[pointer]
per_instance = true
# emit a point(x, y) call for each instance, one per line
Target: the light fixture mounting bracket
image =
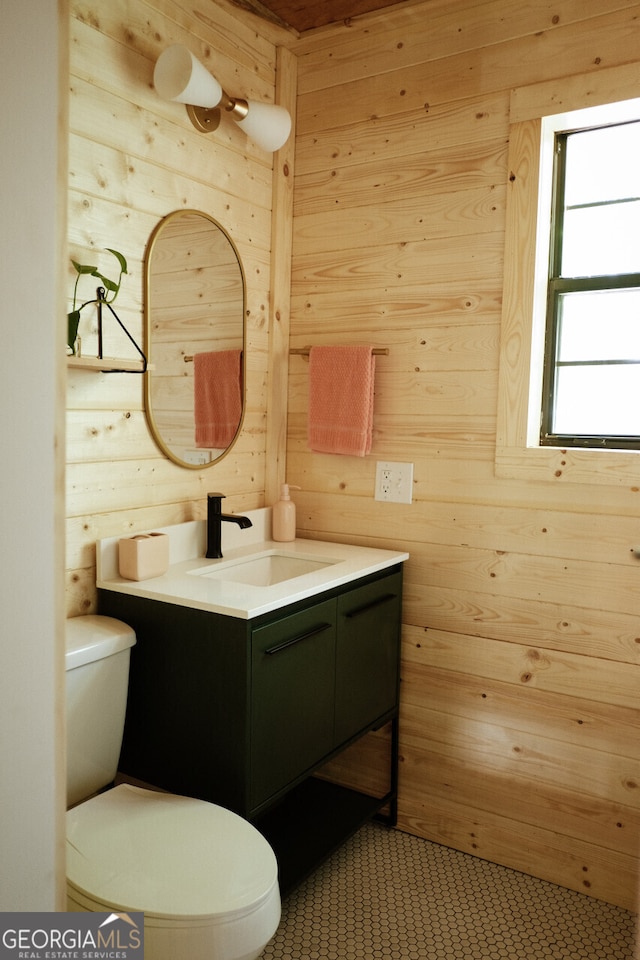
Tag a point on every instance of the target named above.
point(204, 119)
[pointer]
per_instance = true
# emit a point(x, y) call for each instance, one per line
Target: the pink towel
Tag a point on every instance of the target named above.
point(341, 400)
point(217, 394)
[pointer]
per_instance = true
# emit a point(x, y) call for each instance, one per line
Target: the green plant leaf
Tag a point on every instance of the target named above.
point(111, 287)
point(73, 319)
point(84, 268)
point(119, 257)
point(109, 284)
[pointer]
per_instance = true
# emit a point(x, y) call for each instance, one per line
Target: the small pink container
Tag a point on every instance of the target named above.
point(143, 556)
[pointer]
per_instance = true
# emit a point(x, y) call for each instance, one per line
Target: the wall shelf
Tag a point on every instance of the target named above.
point(107, 364)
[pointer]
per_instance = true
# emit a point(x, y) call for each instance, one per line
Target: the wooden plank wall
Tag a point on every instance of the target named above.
point(133, 159)
point(521, 644)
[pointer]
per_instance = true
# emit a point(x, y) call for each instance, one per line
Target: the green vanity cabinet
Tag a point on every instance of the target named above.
point(367, 654)
point(292, 696)
point(243, 712)
point(187, 721)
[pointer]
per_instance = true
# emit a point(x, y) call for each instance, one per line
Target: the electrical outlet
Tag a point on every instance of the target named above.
point(394, 481)
point(196, 457)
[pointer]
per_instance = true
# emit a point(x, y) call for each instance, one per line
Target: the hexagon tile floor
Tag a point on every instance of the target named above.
point(386, 895)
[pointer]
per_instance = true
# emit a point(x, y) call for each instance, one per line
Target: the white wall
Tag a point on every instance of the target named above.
point(31, 508)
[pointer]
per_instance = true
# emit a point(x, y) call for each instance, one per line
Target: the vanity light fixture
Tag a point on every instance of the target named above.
point(180, 76)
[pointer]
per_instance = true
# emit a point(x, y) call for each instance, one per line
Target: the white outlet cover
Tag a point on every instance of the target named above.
point(394, 481)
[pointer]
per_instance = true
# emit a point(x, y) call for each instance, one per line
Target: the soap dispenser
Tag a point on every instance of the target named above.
point(283, 519)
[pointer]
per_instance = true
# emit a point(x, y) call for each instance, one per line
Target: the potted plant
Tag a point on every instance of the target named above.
point(111, 289)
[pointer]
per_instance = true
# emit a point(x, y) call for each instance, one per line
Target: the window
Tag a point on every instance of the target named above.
point(540, 115)
point(592, 346)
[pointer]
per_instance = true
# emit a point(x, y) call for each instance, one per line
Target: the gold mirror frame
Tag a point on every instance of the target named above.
point(181, 348)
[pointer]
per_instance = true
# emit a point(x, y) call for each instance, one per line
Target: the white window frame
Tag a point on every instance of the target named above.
point(536, 112)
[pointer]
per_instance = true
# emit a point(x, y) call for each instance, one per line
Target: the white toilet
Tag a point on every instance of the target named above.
point(204, 877)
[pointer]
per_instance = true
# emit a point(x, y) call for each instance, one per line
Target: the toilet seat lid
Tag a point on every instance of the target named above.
point(167, 855)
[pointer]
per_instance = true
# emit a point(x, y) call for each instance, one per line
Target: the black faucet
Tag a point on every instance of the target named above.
point(215, 516)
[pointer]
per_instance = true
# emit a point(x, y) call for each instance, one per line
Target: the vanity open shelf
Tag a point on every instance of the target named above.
point(245, 712)
point(316, 817)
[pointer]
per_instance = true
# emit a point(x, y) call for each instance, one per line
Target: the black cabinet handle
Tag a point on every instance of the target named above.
point(370, 606)
point(303, 636)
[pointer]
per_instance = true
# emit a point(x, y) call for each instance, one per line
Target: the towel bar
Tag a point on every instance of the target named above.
point(304, 351)
point(188, 358)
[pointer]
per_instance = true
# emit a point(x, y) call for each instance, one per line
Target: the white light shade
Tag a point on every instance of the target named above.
point(179, 76)
point(267, 124)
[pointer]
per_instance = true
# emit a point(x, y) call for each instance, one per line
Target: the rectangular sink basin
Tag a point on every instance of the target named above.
point(264, 570)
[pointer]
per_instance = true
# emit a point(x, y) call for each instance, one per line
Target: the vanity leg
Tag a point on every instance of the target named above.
point(390, 818)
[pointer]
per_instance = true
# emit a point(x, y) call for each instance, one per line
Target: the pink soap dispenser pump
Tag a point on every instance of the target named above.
point(283, 518)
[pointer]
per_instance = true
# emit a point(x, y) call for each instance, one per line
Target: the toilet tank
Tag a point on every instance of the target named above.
point(97, 673)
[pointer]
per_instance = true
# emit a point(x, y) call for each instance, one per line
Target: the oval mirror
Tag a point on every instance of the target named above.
point(194, 305)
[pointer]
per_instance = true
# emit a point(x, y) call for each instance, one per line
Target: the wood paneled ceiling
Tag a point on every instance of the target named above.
point(306, 14)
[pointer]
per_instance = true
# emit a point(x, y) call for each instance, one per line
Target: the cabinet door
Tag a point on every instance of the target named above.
point(292, 694)
point(367, 654)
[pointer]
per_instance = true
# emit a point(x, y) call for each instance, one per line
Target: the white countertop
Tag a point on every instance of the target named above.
point(187, 548)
